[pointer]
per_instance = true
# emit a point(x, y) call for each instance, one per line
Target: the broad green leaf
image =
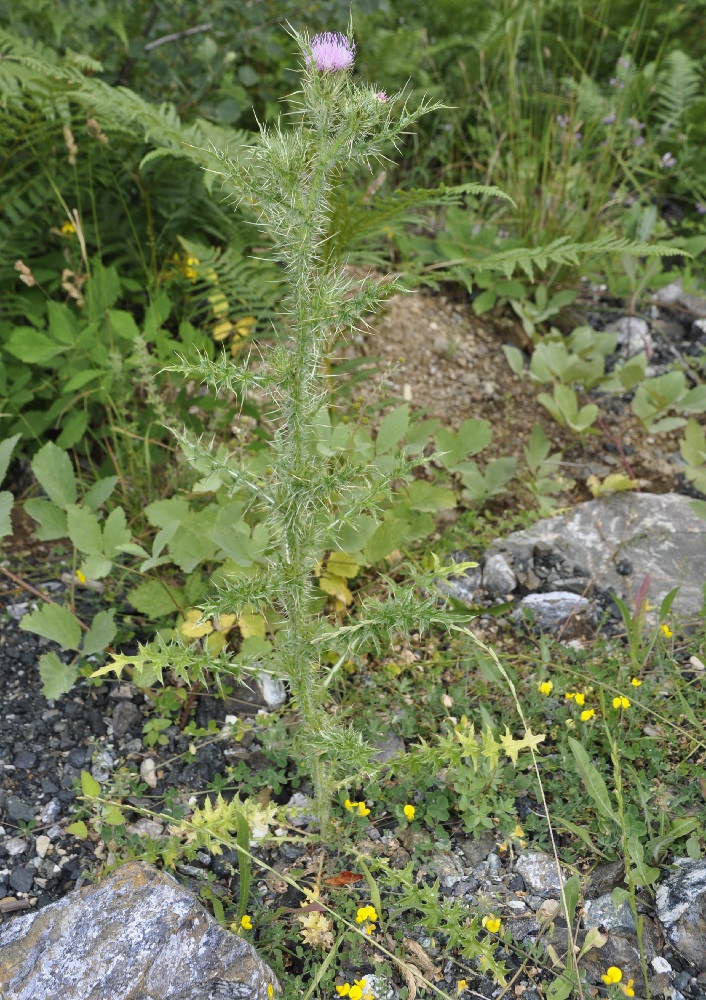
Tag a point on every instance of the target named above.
point(678, 829)
point(84, 530)
point(50, 518)
point(73, 428)
point(99, 492)
point(96, 567)
point(89, 785)
point(341, 564)
point(386, 538)
point(122, 324)
point(57, 677)
point(115, 532)
point(572, 891)
point(155, 599)
point(593, 781)
point(515, 358)
point(114, 817)
point(6, 500)
point(428, 498)
point(6, 448)
point(101, 633)
point(83, 378)
point(78, 829)
point(53, 469)
point(33, 347)
point(392, 429)
point(54, 622)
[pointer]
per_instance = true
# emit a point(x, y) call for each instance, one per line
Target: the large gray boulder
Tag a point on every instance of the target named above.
point(138, 935)
point(614, 543)
point(681, 907)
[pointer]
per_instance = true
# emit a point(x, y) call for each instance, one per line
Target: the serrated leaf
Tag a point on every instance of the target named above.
point(99, 492)
point(115, 532)
point(392, 428)
point(252, 625)
point(57, 677)
point(155, 599)
point(89, 785)
point(53, 469)
point(84, 530)
point(50, 518)
point(101, 633)
point(593, 781)
point(96, 567)
point(429, 498)
point(73, 429)
point(512, 747)
point(341, 564)
point(385, 539)
point(6, 449)
point(54, 622)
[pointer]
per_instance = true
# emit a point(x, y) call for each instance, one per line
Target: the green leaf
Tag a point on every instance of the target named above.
point(473, 436)
point(115, 532)
point(96, 567)
point(6, 448)
point(155, 599)
point(392, 429)
point(386, 538)
point(89, 785)
point(34, 348)
point(101, 633)
point(122, 324)
point(53, 469)
point(572, 891)
point(6, 501)
point(84, 530)
point(78, 829)
point(426, 497)
point(99, 492)
point(593, 781)
point(57, 677)
point(515, 358)
point(50, 518)
point(54, 622)
point(114, 817)
point(73, 429)
point(678, 829)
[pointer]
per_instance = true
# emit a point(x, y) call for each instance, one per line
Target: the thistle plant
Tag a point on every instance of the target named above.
point(318, 489)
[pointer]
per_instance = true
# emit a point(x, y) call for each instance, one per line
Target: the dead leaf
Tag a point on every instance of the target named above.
point(344, 878)
point(426, 963)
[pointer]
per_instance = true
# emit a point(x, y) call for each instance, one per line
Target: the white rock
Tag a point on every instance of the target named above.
point(148, 772)
point(15, 846)
point(42, 845)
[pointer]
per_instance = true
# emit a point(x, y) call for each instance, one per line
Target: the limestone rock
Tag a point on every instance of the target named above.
point(539, 873)
point(608, 915)
point(681, 907)
point(642, 534)
point(553, 610)
point(498, 577)
point(138, 935)
point(633, 336)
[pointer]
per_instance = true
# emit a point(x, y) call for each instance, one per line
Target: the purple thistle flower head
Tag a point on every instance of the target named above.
point(382, 96)
point(700, 208)
point(331, 51)
point(668, 161)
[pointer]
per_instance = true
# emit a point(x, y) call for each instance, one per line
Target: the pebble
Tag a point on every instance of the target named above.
point(539, 872)
point(50, 811)
point(15, 846)
point(18, 809)
point(21, 879)
point(498, 576)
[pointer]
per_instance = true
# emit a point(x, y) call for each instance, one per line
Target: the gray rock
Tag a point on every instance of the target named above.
point(498, 576)
point(17, 808)
point(659, 536)
point(603, 912)
point(495, 865)
point(447, 868)
point(126, 716)
point(623, 950)
point(15, 846)
point(134, 936)
point(633, 336)
point(50, 811)
point(553, 610)
point(681, 907)
point(674, 294)
point(388, 747)
point(477, 849)
point(21, 880)
point(540, 874)
point(604, 878)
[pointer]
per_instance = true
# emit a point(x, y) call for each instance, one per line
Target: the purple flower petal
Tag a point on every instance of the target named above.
point(331, 52)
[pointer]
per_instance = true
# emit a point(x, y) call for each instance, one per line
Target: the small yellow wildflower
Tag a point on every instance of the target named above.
point(81, 577)
point(409, 812)
point(343, 990)
point(587, 714)
point(570, 695)
point(246, 922)
point(627, 988)
point(355, 992)
point(492, 924)
point(546, 687)
point(461, 985)
point(363, 809)
point(366, 913)
point(68, 229)
point(636, 682)
point(350, 805)
point(580, 699)
point(222, 330)
point(270, 991)
point(612, 975)
point(666, 631)
point(621, 702)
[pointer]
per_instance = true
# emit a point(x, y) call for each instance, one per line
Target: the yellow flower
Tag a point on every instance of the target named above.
point(270, 991)
point(492, 924)
point(666, 631)
point(627, 988)
point(621, 702)
point(68, 229)
point(636, 682)
point(580, 699)
point(570, 695)
point(350, 805)
point(587, 714)
point(546, 687)
point(461, 985)
point(222, 330)
point(409, 812)
point(344, 990)
point(363, 809)
point(612, 975)
point(246, 922)
point(80, 576)
point(366, 913)
point(355, 992)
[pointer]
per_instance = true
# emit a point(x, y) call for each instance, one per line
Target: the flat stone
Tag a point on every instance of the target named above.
point(604, 878)
point(553, 610)
point(659, 536)
point(15, 846)
point(126, 716)
point(478, 848)
point(633, 335)
point(681, 908)
point(539, 873)
point(50, 811)
point(608, 915)
point(674, 294)
point(21, 880)
point(17, 808)
point(138, 935)
point(447, 868)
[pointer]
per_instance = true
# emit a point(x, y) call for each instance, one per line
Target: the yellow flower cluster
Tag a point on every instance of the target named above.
point(356, 991)
point(368, 916)
point(360, 806)
point(492, 924)
point(409, 812)
point(546, 687)
point(613, 976)
point(621, 702)
point(576, 696)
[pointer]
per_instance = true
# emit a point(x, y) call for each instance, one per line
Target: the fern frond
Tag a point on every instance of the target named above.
point(679, 86)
